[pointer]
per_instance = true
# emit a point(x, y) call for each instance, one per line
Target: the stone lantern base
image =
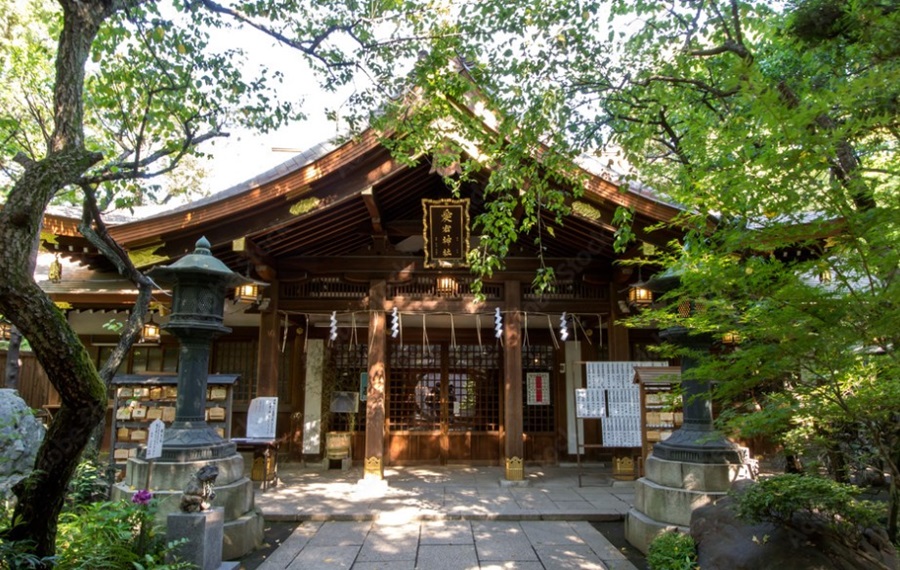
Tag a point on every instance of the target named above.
point(243, 528)
point(670, 490)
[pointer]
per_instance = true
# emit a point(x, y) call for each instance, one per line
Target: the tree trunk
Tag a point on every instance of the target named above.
point(892, 511)
point(56, 346)
point(12, 359)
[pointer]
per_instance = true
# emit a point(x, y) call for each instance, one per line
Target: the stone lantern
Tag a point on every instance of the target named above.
point(697, 440)
point(200, 282)
point(697, 464)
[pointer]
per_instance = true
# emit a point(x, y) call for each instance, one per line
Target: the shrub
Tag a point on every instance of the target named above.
point(15, 555)
point(113, 535)
point(672, 551)
point(89, 484)
point(779, 498)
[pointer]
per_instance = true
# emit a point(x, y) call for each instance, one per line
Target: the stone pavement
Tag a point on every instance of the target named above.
point(447, 517)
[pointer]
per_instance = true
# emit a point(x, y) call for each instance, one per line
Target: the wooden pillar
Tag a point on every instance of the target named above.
point(374, 456)
point(618, 333)
point(512, 383)
point(268, 355)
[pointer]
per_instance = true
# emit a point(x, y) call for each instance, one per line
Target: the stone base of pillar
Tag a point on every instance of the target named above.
point(243, 523)
point(669, 492)
point(203, 532)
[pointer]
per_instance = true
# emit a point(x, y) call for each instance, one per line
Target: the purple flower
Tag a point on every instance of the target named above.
point(142, 497)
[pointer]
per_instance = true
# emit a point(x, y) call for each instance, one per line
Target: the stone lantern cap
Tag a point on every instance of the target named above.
point(200, 262)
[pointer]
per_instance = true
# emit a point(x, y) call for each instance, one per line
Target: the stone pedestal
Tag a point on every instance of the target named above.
point(242, 522)
point(670, 490)
point(204, 532)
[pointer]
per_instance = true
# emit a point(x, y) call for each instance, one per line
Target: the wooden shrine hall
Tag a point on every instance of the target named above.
point(367, 324)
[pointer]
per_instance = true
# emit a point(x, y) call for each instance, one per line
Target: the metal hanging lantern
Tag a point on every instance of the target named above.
point(247, 293)
point(640, 295)
point(150, 331)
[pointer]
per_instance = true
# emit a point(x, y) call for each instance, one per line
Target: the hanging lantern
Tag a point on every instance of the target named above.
point(55, 272)
point(5, 329)
point(247, 293)
point(639, 295)
point(446, 286)
point(150, 331)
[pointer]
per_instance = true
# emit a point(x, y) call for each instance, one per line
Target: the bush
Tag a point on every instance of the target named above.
point(672, 551)
point(778, 499)
point(16, 556)
point(89, 484)
point(113, 535)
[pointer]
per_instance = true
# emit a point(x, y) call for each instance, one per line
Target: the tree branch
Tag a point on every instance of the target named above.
point(702, 85)
point(309, 48)
point(94, 230)
point(130, 170)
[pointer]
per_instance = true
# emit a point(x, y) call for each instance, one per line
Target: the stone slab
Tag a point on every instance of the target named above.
point(670, 505)
point(695, 476)
point(204, 532)
point(174, 476)
point(446, 557)
point(243, 535)
point(640, 530)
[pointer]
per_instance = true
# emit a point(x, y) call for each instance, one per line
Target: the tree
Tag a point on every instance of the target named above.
point(774, 127)
point(128, 90)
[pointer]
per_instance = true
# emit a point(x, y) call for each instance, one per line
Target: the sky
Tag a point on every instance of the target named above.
point(244, 155)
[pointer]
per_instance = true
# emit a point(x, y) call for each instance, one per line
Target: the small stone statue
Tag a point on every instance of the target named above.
point(198, 494)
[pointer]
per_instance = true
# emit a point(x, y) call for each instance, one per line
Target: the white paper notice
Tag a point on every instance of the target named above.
point(155, 439)
point(261, 418)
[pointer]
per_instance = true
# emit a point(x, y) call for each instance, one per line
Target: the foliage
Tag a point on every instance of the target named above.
point(101, 98)
point(773, 125)
point(779, 498)
point(672, 550)
point(113, 535)
point(89, 484)
point(17, 555)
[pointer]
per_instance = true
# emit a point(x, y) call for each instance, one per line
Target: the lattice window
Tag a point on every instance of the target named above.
point(422, 287)
point(420, 398)
point(349, 362)
point(146, 359)
point(565, 290)
point(415, 376)
point(237, 357)
point(318, 287)
point(538, 403)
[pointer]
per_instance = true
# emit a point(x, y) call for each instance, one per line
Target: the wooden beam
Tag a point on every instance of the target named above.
point(263, 263)
point(368, 196)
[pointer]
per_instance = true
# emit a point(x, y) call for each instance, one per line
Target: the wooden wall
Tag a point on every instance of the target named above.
point(34, 387)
